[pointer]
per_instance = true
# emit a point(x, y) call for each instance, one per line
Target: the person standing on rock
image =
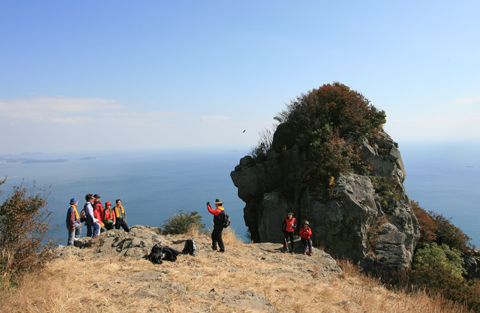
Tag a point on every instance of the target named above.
point(305, 234)
point(217, 224)
point(93, 228)
point(121, 216)
point(109, 218)
point(288, 227)
point(74, 225)
point(98, 213)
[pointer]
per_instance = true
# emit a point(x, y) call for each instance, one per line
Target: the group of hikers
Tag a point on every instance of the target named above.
point(288, 227)
point(96, 218)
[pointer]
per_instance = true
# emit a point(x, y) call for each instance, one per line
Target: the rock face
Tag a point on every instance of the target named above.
point(358, 223)
point(472, 265)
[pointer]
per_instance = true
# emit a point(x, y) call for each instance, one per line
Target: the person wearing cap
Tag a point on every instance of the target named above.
point(97, 206)
point(109, 216)
point(217, 224)
point(305, 234)
point(93, 228)
point(288, 227)
point(74, 225)
point(121, 216)
point(98, 212)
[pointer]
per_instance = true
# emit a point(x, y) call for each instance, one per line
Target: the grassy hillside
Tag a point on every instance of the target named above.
point(247, 278)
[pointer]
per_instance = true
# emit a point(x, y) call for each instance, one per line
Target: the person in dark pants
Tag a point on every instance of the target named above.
point(305, 234)
point(217, 224)
point(109, 218)
point(121, 216)
point(288, 227)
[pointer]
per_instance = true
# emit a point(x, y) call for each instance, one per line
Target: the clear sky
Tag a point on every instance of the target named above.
point(105, 75)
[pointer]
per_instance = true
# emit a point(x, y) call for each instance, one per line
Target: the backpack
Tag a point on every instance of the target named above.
point(83, 214)
point(160, 253)
point(190, 247)
point(225, 220)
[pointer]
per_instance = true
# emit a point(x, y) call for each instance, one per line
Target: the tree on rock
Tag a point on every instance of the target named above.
point(327, 125)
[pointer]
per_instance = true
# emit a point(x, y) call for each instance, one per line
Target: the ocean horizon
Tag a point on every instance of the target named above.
point(151, 184)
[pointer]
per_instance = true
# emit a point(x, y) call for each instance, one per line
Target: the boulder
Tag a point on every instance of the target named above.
point(351, 224)
point(136, 244)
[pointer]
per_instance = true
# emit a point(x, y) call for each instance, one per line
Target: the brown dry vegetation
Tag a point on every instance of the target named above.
point(89, 284)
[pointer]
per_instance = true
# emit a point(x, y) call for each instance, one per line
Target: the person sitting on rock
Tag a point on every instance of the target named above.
point(217, 224)
point(288, 227)
point(305, 234)
point(109, 218)
point(74, 225)
point(121, 216)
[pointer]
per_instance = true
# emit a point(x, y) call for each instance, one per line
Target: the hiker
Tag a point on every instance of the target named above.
point(121, 216)
point(97, 205)
point(305, 234)
point(98, 213)
point(93, 228)
point(74, 225)
point(217, 224)
point(109, 216)
point(288, 227)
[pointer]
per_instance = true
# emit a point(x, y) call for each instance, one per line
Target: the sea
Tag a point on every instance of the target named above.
point(152, 185)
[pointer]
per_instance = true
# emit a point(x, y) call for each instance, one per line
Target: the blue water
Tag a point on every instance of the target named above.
point(442, 178)
point(150, 184)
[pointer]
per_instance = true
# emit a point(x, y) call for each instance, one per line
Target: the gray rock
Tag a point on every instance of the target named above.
point(353, 225)
point(135, 244)
point(472, 265)
point(246, 300)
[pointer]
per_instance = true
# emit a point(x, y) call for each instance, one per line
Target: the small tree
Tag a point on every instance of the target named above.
point(181, 223)
point(24, 227)
point(434, 255)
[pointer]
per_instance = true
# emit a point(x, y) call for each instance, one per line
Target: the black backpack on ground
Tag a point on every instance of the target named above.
point(161, 253)
point(190, 247)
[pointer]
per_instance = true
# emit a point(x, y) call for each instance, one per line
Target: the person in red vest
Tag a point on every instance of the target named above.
point(98, 213)
point(97, 205)
point(305, 234)
point(288, 227)
point(109, 216)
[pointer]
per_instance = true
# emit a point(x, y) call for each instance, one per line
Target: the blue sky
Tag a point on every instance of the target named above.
point(165, 74)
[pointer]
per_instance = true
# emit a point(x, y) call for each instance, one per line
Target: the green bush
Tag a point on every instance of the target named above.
point(434, 255)
point(440, 281)
point(325, 124)
point(24, 228)
point(450, 234)
point(181, 223)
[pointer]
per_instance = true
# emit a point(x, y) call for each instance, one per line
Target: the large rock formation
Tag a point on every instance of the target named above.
point(359, 223)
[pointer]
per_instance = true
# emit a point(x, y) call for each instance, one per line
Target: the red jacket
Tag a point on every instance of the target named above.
point(305, 233)
point(109, 216)
point(98, 214)
point(99, 206)
point(289, 224)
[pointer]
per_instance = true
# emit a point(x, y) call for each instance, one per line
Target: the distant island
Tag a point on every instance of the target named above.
point(45, 161)
point(88, 159)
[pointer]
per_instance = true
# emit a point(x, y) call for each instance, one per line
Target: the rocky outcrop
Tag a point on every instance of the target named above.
point(207, 282)
point(135, 244)
point(472, 265)
point(357, 223)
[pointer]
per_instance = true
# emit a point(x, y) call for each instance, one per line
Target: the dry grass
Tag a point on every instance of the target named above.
point(73, 285)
